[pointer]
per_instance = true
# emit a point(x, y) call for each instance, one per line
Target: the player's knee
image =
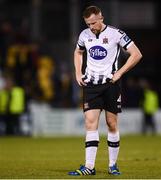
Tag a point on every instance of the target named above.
point(112, 125)
point(90, 123)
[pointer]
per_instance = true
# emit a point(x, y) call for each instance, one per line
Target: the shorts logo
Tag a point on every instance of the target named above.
point(98, 52)
point(86, 105)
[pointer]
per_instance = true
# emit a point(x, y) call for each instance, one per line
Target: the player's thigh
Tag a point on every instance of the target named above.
point(92, 117)
point(111, 117)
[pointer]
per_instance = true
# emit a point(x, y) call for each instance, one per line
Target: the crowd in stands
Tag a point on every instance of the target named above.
point(32, 68)
point(28, 73)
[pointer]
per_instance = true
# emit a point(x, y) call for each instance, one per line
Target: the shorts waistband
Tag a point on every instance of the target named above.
point(92, 84)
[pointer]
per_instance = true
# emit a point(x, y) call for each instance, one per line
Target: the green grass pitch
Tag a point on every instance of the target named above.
point(52, 158)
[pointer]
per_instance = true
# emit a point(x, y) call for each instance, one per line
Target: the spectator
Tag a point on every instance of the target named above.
point(14, 106)
point(150, 105)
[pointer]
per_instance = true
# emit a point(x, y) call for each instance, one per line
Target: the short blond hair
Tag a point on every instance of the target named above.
point(91, 10)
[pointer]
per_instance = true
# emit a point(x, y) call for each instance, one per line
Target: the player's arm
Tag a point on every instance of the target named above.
point(78, 61)
point(134, 58)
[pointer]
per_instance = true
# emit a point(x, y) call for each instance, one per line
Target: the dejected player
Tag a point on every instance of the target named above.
point(101, 89)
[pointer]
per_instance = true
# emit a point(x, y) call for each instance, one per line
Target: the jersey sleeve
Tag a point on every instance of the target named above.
point(124, 40)
point(80, 43)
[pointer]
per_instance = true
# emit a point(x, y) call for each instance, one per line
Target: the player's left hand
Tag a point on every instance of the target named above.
point(115, 77)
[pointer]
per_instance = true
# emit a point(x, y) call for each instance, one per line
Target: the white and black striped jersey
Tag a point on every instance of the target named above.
point(102, 53)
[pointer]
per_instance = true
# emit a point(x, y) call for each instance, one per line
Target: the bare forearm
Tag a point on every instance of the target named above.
point(78, 63)
point(135, 57)
point(131, 62)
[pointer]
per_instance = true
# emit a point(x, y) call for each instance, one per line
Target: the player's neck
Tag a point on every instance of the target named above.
point(103, 27)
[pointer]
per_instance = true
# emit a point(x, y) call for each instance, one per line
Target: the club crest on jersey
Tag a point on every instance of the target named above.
point(105, 40)
point(98, 52)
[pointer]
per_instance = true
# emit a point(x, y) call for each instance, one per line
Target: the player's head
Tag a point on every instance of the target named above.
point(93, 18)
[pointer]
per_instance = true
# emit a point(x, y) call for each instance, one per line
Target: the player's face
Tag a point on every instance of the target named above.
point(94, 22)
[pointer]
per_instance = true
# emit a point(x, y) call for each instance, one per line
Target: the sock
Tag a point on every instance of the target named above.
point(113, 147)
point(91, 145)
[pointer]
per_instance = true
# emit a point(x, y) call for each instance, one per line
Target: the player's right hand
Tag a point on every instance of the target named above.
point(80, 80)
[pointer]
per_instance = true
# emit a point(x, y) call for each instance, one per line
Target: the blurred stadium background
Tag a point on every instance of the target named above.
point(39, 96)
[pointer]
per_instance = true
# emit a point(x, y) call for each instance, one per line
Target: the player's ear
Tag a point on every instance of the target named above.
point(102, 18)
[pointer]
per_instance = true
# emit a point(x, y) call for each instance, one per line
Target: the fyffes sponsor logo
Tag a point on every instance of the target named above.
point(98, 52)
